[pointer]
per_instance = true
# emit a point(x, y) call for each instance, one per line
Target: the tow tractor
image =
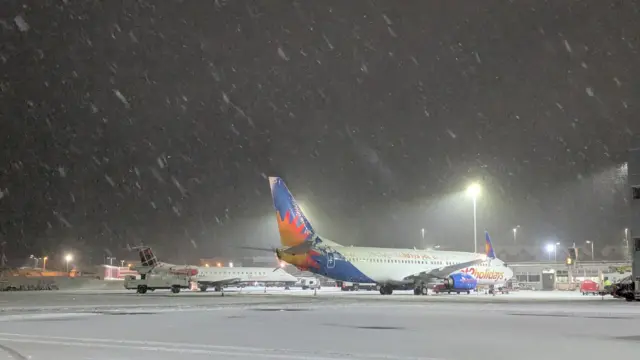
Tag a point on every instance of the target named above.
point(173, 282)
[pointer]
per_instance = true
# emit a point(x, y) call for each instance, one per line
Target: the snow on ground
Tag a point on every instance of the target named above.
point(331, 325)
point(101, 300)
point(349, 327)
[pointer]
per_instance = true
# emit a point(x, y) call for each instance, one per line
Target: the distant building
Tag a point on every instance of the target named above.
point(108, 272)
point(513, 253)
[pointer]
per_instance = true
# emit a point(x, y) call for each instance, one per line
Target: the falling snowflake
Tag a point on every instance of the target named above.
point(21, 23)
point(282, 55)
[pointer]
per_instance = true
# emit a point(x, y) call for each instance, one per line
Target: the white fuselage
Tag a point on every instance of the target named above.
point(243, 274)
point(225, 274)
point(386, 265)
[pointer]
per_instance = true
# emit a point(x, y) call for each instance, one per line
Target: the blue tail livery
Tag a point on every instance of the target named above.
point(293, 225)
point(488, 248)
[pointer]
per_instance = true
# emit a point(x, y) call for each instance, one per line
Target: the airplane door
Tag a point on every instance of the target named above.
point(331, 261)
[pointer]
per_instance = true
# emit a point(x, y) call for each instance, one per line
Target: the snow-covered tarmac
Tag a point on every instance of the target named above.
point(295, 324)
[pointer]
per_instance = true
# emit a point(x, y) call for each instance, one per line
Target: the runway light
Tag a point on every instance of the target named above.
point(206, 265)
point(219, 265)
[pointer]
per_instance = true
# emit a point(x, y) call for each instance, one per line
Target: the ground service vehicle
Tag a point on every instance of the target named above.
point(588, 287)
point(349, 286)
point(175, 283)
point(309, 283)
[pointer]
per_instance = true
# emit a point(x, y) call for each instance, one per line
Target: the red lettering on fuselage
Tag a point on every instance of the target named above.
point(415, 256)
point(483, 275)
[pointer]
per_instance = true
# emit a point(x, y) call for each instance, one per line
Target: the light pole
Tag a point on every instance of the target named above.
point(68, 258)
point(515, 233)
point(553, 248)
point(35, 259)
point(121, 263)
point(550, 248)
point(44, 263)
point(474, 191)
point(592, 254)
point(627, 256)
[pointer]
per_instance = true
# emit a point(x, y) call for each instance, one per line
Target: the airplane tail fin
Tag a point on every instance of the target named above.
point(294, 227)
point(147, 257)
point(488, 248)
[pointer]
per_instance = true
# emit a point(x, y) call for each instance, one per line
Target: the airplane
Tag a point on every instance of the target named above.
point(390, 268)
point(211, 276)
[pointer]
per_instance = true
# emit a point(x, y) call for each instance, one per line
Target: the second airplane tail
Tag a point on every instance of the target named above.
point(488, 248)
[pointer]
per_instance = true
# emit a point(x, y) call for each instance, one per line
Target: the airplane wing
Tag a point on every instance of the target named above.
point(443, 272)
point(219, 282)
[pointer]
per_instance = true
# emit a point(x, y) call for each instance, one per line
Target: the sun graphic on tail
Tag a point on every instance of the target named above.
point(291, 234)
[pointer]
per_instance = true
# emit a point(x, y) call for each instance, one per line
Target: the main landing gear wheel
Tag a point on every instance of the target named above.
point(203, 288)
point(386, 290)
point(175, 289)
point(142, 289)
point(421, 290)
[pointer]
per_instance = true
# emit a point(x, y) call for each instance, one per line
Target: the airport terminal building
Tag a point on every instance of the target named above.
point(560, 276)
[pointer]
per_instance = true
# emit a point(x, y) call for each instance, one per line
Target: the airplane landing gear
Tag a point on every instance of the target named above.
point(386, 290)
point(421, 290)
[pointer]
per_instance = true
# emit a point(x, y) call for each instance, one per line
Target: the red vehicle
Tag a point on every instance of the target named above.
point(589, 287)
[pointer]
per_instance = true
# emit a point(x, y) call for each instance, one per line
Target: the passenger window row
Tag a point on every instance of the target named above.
point(232, 273)
point(396, 261)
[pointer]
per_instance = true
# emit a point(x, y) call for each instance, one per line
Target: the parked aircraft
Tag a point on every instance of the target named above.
point(390, 268)
point(212, 276)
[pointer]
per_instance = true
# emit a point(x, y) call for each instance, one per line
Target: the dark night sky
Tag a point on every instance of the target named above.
point(159, 120)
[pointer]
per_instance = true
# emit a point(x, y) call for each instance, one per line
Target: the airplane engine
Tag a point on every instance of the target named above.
point(462, 282)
